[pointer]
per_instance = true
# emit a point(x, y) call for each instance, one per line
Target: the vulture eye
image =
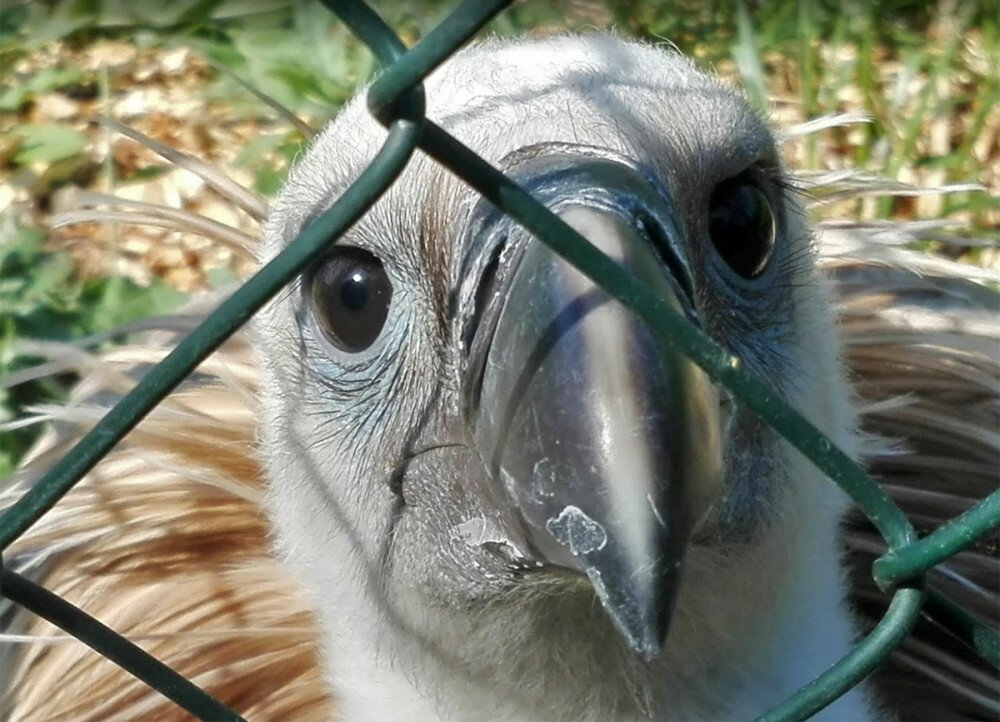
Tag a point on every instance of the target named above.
point(350, 294)
point(741, 225)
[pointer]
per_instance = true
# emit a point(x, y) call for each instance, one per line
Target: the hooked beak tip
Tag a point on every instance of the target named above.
point(641, 607)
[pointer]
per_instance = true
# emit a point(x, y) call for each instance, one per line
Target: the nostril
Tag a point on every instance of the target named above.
point(678, 270)
point(487, 287)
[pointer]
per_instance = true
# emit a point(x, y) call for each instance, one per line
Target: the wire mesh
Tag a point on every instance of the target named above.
point(396, 99)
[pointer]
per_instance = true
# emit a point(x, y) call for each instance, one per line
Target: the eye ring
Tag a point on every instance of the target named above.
point(742, 225)
point(349, 293)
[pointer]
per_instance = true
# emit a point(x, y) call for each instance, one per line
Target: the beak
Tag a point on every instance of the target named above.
point(604, 439)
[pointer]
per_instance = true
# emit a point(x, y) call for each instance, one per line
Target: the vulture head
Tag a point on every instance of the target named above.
point(507, 498)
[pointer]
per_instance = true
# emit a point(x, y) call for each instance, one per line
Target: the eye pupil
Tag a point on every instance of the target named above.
point(354, 291)
point(741, 225)
point(350, 293)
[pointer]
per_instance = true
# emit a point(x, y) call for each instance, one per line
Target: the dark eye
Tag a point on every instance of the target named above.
point(741, 225)
point(350, 294)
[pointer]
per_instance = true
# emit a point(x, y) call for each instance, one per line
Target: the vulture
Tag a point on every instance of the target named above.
point(445, 476)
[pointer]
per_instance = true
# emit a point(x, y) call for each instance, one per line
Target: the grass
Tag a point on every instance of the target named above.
point(924, 72)
point(42, 297)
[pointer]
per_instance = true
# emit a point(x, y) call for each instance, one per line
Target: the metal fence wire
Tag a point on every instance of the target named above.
point(396, 99)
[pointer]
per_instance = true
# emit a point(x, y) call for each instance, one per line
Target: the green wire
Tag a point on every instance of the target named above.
point(941, 544)
point(453, 32)
point(114, 646)
point(904, 609)
point(957, 620)
point(396, 99)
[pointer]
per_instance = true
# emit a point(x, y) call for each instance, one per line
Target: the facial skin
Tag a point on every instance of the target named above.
point(433, 591)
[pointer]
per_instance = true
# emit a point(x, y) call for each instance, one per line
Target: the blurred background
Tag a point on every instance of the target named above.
point(219, 80)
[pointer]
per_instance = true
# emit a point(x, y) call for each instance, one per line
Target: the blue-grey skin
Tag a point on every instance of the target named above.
point(499, 506)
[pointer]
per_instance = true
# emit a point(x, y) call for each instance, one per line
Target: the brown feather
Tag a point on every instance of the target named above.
point(165, 542)
point(942, 456)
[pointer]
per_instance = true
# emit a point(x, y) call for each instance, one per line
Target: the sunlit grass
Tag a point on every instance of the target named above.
point(924, 72)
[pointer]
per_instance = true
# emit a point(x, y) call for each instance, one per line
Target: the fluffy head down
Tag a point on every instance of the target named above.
point(411, 614)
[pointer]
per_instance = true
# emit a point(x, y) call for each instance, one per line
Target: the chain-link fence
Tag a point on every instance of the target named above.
point(396, 99)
